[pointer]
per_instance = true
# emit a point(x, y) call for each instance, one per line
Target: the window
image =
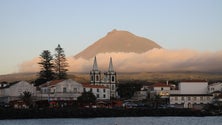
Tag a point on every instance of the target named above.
point(84, 89)
point(90, 89)
point(182, 98)
point(92, 78)
point(64, 90)
point(201, 98)
point(188, 98)
point(97, 90)
point(104, 96)
point(97, 96)
point(104, 90)
point(74, 90)
point(97, 78)
point(194, 98)
point(113, 79)
point(53, 91)
point(176, 98)
point(161, 88)
point(44, 91)
point(112, 88)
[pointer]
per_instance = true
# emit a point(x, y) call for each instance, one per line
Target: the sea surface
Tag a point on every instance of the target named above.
point(119, 121)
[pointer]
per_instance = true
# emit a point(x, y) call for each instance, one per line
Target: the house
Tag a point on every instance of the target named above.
point(161, 89)
point(140, 95)
point(109, 80)
point(191, 94)
point(11, 92)
point(60, 90)
point(101, 92)
point(215, 87)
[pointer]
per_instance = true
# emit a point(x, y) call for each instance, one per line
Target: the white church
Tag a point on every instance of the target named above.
point(109, 80)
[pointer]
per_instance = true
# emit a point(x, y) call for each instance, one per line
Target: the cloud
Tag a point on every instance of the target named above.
point(30, 66)
point(156, 60)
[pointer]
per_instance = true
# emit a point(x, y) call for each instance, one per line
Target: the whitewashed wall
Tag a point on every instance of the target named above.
point(19, 88)
point(193, 87)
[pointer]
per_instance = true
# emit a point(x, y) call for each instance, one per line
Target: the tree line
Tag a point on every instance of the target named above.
point(52, 66)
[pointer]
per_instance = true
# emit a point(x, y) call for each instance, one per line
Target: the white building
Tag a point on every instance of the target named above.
point(196, 101)
point(193, 87)
point(11, 92)
point(110, 79)
point(215, 87)
point(101, 92)
point(58, 90)
point(191, 94)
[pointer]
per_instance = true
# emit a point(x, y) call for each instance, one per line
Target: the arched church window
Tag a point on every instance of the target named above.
point(92, 78)
point(113, 78)
point(97, 78)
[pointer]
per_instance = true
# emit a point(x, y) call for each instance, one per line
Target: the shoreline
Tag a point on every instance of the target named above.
point(97, 113)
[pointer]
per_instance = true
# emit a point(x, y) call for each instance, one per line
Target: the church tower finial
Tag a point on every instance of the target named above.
point(95, 66)
point(110, 65)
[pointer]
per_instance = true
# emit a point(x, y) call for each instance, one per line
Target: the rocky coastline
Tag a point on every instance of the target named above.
point(97, 112)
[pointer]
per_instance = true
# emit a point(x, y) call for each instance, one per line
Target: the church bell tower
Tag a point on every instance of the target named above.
point(95, 74)
point(110, 74)
point(111, 80)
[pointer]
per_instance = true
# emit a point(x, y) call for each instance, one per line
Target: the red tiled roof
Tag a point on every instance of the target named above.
point(50, 83)
point(160, 85)
point(87, 85)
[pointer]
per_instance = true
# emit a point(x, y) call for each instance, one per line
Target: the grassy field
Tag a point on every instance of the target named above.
point(150, 77)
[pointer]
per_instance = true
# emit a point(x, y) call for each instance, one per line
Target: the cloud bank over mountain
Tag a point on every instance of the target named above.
point(133, 53)
point(155, 60)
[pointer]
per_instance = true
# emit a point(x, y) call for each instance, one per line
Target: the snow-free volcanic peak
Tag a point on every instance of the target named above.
point(118, 41)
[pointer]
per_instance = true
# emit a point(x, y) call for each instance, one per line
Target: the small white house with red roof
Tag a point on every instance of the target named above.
point(161, 89)
point(101, 92)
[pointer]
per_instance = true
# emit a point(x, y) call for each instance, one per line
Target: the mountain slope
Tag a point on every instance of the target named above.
point(118, 41)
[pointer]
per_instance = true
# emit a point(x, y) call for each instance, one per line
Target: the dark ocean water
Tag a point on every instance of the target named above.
point(119, 121)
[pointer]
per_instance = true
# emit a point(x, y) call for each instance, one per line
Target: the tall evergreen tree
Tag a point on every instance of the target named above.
point(60, 63)
point(46, 63)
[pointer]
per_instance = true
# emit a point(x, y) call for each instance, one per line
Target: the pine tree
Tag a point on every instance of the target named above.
point(60, 63)
point(46, 64)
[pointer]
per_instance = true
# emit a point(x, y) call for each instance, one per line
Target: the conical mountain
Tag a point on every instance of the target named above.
point(118, 41)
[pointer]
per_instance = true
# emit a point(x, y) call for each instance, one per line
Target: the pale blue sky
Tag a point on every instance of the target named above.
point(27, 27)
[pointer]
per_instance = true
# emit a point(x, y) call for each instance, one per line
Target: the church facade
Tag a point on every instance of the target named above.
point(109, 80)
